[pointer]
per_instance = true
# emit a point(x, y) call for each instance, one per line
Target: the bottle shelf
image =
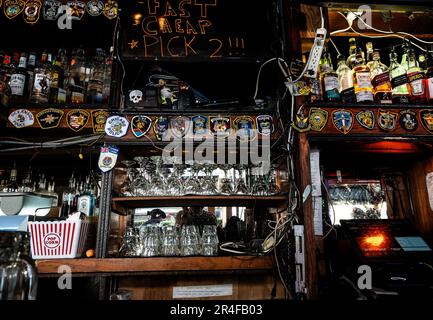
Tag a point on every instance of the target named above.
point(157, 265)
point(120, 204)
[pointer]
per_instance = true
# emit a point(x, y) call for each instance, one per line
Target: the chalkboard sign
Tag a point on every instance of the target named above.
point(197, 29)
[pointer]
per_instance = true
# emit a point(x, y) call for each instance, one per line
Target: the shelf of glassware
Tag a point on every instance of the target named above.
point(110, 266)
point(198, 200)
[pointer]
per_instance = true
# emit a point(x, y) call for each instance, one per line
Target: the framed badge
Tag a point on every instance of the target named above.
point(366, 119)
point(199, 125)
point(342, 120)
point(387, 120)
point(160, 127)
point(318, 119)
point(426, 118)
point(12, 8)
point(77, 119)
point(49, 118)
point(220, 126)
point(244, 127)
point(99, 118)
point(94, 8)
point(140, 125)
point(21, 118)
point(116, 126)
point(265, 125)
point(408, 120)
point(50, 9)
point(179, 126)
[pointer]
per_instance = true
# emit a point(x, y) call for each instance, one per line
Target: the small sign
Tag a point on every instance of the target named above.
point(221, 290)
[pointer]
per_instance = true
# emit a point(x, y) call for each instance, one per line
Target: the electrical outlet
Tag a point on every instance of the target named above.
point(316, 53)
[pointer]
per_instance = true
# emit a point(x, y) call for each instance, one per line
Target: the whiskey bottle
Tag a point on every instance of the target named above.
point(42, 81)
point(330, 80)
point(31, 62)
point(429, 76)
point(352, 53)
point(380, 80)
point(369, 48)
point(77, 77)
point(18, 80)
point(96, 83)
point(5, 90)
point(345, 81)
point(57, 93)
point(400, 89)
point(405, 47)
point(415, 79)
point(361, 80)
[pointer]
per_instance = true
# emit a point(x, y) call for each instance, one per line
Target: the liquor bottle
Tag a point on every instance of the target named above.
point(345, 81)
point(379, 75)
point(95, 87)
point(42, 81)
point(7, 67)
point(57, 93)
point(12, 185)
point(422, 62)
point(67, 198)
point(31, 62)
point(429, 76)
point(415, 79)
point(86, 201)
point(27, 181)
point(5, 90)
point(405, 47)
point(369, 48)
point(77, 77)
point(107, 77)
point(398, 75)
point(329, 80)
point(352, 53)
point(18, 80)
point(361, 80)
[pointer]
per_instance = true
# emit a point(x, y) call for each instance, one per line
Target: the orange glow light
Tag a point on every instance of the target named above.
point(375, 241)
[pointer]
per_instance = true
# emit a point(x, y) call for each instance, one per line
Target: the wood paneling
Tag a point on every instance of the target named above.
point(245, 287)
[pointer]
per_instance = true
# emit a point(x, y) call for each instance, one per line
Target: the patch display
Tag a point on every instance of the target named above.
point(12, 8)
point(426, 117)
point(244, 126)
point(94, 7)
point(116, 126)
point(179, 126)
point(387, 120)
point(50, 9)
point(160, 127)
point(342, 120)
point(265, 125)
point(77, 119)
point(366, 119)
point(49, 118)
point(140, 125)
point(220, 126)
point(32, 11)
point(408, 120)
point(318, 119)
point(199, 125)
point(21, 118)
point(99, 118)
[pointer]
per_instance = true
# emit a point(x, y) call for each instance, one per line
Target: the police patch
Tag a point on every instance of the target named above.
point(21, 118)
point(94, 7)
point(49, 118)
point(387, 120)
point(179, 126)
point(140, 125)
point(50, 9)
point(366, 119)
point(244, 126)
point(77, 119)
point(160, 127)
point(342, 120)
point(116, 126)
point(301, 123)
point(99, 117)
point(199, 125)
point(32, 11)
point(408, 120)
point(220, 126)
point(426, 117)
point(318, 119)
point(12, 8)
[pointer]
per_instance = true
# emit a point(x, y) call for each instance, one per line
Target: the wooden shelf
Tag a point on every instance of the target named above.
point(143, 202)
point(156, 265)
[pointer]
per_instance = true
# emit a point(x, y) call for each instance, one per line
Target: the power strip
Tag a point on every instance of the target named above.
point(316, 53)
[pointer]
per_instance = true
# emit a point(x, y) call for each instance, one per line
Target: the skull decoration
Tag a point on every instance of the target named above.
point(135, 96)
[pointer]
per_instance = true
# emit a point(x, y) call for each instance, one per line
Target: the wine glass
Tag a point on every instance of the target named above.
point(209, 186)
point(273, 189)
point(192, 185)
point(241, 185)
point(157, 185)
point(141, 183)
point(130, 175)
point(226, 183)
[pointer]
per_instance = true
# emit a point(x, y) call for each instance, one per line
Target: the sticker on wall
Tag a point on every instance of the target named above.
point(116, 126)
point(426, 117)
point(21, 118)
point(318, 119)
point(265, 125)
point(408, 120)
point(387, 120)
point(366, 119)
point(49, 118)
point(77, 119)
point(342, 120)
point(140, 125)
point(107, 158)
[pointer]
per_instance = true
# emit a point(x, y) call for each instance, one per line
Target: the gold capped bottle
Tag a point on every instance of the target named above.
point(361, 80)
point(379, 75)
point(415, 77)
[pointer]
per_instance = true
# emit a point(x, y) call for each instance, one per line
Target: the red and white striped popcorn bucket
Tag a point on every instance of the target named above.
point(58, 239)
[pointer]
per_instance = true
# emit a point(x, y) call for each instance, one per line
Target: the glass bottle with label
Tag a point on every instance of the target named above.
point(18, 80)
point(369, 48)
point(361, 80)
point(96, 83)
point(86, 201)
point(330, 80)
point(429, 76)
point(107, 77)
point(31, 62)
point(12, 185)
point(77, 77)
point(345, 81)
point(42, 81)
point(415, 79)
point(379, 75)
point(405, 48)
point(57, 93)
point(352, 53)
point(398, 75)
point(5, 90)
point(67, 198)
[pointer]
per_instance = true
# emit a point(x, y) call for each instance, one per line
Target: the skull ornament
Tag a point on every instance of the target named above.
point(135, 96)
